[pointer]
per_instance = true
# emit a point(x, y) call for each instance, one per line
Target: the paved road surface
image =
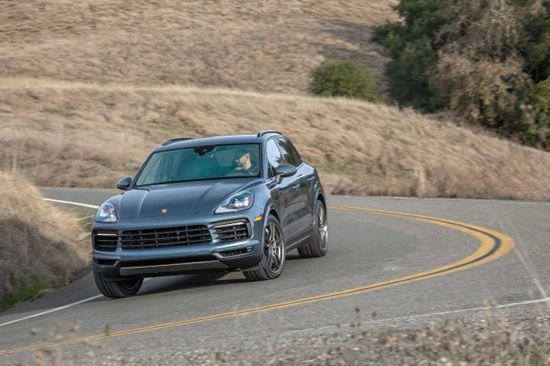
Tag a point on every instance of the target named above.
point(367, 247)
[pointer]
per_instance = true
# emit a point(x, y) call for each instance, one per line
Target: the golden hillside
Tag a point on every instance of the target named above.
point(71, 134)
point(242, 44)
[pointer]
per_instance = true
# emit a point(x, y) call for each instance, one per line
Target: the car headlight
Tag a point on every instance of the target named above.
point(238, 202)
point(106, 213)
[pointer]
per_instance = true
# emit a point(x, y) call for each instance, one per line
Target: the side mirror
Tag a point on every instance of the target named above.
point(124, 183)
point(284, 170)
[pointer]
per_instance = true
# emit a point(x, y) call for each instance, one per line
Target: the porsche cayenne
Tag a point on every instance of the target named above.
point(227, 203)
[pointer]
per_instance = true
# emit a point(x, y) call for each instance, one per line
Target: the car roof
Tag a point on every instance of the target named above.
point(217, 140)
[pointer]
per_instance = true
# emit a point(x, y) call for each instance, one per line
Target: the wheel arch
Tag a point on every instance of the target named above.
point(320, 196)
point(272, 210)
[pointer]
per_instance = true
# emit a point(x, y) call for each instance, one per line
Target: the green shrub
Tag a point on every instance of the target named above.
point(539, 133)
point(541, 100)
point(412, 46)
point(409, 73)
point(343, 79)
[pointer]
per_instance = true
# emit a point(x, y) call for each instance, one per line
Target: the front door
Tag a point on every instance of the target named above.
point(289, 193)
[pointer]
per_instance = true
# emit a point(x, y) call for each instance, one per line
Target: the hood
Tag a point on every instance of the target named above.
point(179, 198)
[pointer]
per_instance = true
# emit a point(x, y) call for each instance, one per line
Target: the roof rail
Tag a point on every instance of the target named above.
point(261, 133)
point(171, 141)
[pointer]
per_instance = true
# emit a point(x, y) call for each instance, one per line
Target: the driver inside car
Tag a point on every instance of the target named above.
point(245, 164)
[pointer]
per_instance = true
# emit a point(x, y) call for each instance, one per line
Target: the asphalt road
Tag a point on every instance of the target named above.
point(397, 266)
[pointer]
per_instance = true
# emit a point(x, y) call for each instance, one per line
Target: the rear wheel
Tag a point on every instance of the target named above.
point(273, 260)
point(318, 245)
point(116, 288)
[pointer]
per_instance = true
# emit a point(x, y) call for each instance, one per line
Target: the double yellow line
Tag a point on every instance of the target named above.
point(493, 245)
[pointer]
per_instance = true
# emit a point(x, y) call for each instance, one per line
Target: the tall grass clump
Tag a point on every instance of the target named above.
point(41, 245)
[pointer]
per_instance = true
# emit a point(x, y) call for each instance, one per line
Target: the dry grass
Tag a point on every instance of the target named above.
point(249, 45)
point(40, 243)
point(75, 134)
point(490, 339)
point(88, 88)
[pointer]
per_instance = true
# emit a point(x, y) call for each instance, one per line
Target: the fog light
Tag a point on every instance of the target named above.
point(249, 249)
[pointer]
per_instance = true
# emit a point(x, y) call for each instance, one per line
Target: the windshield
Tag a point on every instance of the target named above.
point(200, 163)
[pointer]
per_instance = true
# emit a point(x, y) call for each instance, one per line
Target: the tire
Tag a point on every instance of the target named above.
point(273, 260)
point(115, 289)
point(318, 245)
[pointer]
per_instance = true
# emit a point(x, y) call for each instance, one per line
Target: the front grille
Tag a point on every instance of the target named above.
point(165, 237)
point(105, 240)
point(234, 230)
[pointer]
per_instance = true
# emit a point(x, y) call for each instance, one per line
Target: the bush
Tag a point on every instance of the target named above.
point(343, 79)
point(540, 123)
point(487, 93)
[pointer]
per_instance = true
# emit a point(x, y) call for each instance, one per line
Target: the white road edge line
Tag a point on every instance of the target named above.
point(72, 203)
point(410, 317)
point(51, 310)
point(58, 308)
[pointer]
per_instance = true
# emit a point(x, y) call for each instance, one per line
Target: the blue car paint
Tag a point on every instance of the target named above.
point(194, 203)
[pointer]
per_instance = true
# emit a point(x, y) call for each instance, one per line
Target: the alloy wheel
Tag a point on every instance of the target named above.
point(274, 250)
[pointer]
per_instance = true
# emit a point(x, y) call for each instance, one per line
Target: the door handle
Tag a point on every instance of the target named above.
point(296, 187)
point(311, 179)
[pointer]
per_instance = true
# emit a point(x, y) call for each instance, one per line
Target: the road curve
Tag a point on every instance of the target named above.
point(401, 258)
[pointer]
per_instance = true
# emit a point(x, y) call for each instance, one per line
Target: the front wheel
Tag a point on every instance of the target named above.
point(273, 260)
point(115, 289)
point(318, 245)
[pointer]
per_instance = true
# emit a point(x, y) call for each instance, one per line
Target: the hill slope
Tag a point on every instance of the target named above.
point(71, 134)
point(88, 88)
point(250, 45)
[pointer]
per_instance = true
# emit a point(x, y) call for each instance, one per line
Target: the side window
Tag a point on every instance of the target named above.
point(274, 156)
point(290, 155)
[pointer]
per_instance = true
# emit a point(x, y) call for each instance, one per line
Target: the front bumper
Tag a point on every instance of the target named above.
point(216, 255)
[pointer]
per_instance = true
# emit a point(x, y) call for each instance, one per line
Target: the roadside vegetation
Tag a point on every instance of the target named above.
point(486, 61)
point(41, 245)
point(493, 338)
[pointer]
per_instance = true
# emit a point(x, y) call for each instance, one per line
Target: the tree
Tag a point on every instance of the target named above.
point(486, 60)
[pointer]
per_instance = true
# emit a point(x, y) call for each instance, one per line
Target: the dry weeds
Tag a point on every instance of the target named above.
point(491, 339)
point(39, 241)
point(76, 134)
point(250, 45)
